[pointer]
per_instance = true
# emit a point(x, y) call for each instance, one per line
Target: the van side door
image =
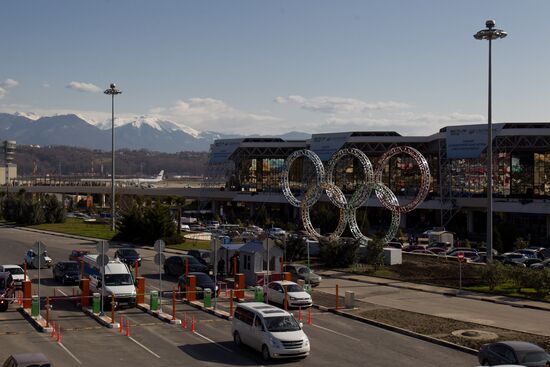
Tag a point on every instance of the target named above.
point(258, 333)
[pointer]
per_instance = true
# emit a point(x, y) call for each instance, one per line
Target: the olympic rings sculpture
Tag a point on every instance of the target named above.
point(324, 182)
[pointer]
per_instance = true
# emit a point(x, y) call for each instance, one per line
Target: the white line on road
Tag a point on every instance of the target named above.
point(69, 352)
point(63, 293)
point(337, 333)
point(211, 341)
point(144, 347)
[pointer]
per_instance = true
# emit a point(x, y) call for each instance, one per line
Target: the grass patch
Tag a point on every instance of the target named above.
point(510, 290)
point(76, 226)
point(191, 245)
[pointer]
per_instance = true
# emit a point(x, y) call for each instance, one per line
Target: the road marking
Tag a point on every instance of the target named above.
point(69, 352)
point(144, 347)
point(211, 341)
point(63, 293)
point(337, 333)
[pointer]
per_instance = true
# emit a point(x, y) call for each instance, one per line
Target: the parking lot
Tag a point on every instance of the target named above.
point(83, 341)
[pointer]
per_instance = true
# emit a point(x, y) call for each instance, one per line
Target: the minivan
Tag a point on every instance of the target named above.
point(118, 280)
point(268, 329)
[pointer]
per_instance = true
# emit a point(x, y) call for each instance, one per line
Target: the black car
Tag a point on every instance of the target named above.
point(175, 265)
point(66, 272)
point(204, 281)
point(7, 290)
point(512, 352)
point(202, 255)
point(129, 256)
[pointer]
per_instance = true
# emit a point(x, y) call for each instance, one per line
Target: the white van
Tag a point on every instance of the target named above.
point(268, 329)
point(118, 280)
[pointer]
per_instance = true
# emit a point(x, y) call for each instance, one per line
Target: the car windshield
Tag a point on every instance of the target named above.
point(118, 279)
point(71, 267)
point(15, 271)
point(293, 288)
point(533, 357)
point(281, 323)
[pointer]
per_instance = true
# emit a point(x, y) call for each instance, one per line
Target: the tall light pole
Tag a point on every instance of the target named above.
point(113, 91)
point(490, 33)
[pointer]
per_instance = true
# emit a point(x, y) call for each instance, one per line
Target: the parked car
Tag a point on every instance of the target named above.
point(34, 261)
point(437, 250)
point(296, 295)
point(541, 264)
point(298, 271)
point(203, 256)
point(129, 256)
point(204, 281)
point(17, 273)
point(411, 248)
point(275, 232)
point(78, 255)
point(512, 352)
point(66, 272)
point(543, 251)
point(530, 253)
point(268, 329)
point(423, 251)
point(455, 250)
point(175, 265)
point(27, 360)
point(512, 258)
point(7, 290)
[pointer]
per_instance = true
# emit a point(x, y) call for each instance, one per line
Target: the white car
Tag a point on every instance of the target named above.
point(276, 232)
point(296, 295)
point(17, 273)
point(268, 329)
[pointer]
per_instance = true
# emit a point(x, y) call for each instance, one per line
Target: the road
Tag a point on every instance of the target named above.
point(463, 309)
point(335, 340)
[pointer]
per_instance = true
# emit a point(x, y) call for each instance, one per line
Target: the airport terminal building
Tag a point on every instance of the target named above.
point(251, 169)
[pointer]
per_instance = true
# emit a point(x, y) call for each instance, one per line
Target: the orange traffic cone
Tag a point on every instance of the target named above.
point(127, 327)
point(185, 320)
point(53, 330)
point(193, 324)
point(58, 332)
point(120, 325)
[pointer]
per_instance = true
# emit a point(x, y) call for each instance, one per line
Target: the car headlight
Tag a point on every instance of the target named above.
point(275, 342)
point(292, 298)
point(306, 341)
point(216, 288)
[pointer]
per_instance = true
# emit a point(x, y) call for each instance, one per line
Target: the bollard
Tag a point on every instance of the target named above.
point(349, 299)
point(193, 324)
point(47, 311)
point(127, 327)
point(84, 295)
point(140, 296)
point(96, 301)
point(231, 303)
point(258, 294)
point(173, 304)
point(53, 330)
point(208, 298)
point(112, 308)
point(185, 320)
point(120, 325)
point(58, 332)
point(337, 297)
point(35, 307)
point(239, 286)
point(192, 288)
point(287, 276)
point(27, 293)
point(154, 302)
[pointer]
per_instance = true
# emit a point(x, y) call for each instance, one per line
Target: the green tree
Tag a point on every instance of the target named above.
point(31, 213)
point(294, 248)
point(338, 253)
point(53, 210)
point(520, 243)
point(374, 252)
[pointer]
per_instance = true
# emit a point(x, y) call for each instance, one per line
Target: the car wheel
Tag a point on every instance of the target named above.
point(265, 353)
point(237, 339)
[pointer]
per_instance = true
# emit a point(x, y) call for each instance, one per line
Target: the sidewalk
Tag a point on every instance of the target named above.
point(493, 311)
point(510, 301)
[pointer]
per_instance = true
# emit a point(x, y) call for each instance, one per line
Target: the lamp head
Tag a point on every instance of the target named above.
point(113, 85)
point(490, 23)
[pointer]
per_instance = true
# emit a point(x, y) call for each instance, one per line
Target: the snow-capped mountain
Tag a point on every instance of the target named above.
point(140, 132)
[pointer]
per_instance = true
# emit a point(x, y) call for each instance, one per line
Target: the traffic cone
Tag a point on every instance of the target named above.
point(185, 320)
point(53, 330)
point(120, 325)
point(58, 332)
point(127, 327)
point(193, 324)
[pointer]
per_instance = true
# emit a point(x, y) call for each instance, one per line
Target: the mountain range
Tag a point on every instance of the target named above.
point(142, 132)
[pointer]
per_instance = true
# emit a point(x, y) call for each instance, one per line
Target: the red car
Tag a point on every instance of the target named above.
point(77, 255)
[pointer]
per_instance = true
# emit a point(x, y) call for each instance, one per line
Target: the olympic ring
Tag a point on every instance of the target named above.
point(373, 181)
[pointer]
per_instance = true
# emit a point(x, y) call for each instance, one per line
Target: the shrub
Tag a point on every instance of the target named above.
point(520, 243)
point(516, 276)
point(294, 248)
point(494, 274)
point(338, 253)
point(374, 252)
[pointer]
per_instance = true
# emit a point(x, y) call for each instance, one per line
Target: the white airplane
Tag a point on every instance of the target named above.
point(132, 181)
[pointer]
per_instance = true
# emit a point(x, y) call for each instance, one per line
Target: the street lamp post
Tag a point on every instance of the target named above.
point(490, 33)
point(112, 91)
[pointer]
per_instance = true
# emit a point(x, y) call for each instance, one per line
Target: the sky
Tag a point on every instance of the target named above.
point(270, 67)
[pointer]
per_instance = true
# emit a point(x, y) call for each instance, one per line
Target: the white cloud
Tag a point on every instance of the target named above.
point(46, 85)
point(339, 105)
point(7, 84)
point(213, 114)
point(84, 87)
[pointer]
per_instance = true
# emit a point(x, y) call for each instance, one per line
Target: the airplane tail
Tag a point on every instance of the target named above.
point(160, 176)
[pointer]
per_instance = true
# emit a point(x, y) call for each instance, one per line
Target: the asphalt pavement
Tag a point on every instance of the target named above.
point(335, 340)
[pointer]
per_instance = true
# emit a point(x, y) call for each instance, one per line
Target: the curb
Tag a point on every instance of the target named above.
point(158, 314)
point(399, 330)
point(101, 320)
point(445, 293)
point(218, 313)
point(34, 322)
